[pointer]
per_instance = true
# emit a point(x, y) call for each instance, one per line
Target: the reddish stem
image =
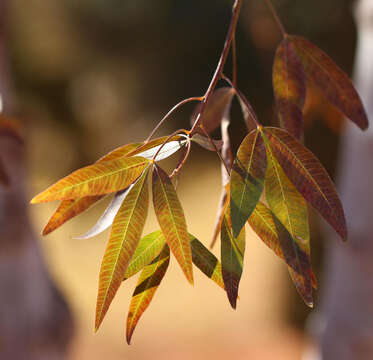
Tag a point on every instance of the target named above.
point(277, 19)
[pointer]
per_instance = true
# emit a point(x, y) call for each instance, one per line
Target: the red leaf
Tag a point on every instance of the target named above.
point(332, 81)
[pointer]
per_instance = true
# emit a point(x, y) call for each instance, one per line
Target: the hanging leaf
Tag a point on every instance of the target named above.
point(107, 218)
point(146, 287)
point(67, 210)
point(206, 144)
point(171, 219)
point(124, 238)
point(97, 179)
point(309, 177)
point(212, 116)
point(232, 253)
point(147, 250)
point(289, 85)
point(332, 81)
point(206, 261)
point(223, 203)
point(278, 239)
point(291, 209)
point(247, 179)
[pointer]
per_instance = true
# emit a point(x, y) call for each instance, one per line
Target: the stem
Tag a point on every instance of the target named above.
point(234, 60)
point(176, 132)
point(223, 58)
point(181, 103)
point(182, 161)
point(276, 18)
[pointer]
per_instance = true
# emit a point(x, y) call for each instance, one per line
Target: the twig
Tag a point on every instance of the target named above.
point(277, 19)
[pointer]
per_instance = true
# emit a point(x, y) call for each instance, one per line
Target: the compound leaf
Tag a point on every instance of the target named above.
point(124, 238)
point(309, 177)
point(332, 81)
point(146, 287)
point(171, 219)
point(247, 179)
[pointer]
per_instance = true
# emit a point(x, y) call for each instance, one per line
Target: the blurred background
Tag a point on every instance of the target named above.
point(85, 76)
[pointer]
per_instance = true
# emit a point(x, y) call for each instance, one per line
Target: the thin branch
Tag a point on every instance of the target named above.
point(276, 18)
point(234, 60)
point(223, 58)
point(181, 103)
point(182, 161)
point(176, 132)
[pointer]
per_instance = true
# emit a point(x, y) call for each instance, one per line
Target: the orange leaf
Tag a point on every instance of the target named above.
point(332, 81)
point(171, 219)
point(124, 238)
point(67, 210)
point(289, 85)
point(97, 179)
point(147, 285)
point(309, 177)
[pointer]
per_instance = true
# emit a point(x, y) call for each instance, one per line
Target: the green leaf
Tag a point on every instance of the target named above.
point(278, 239)
point(97, 179)
point(289, 85)
point(247, 179)
point(331, 80)
point(309, 177)
point(206, 261)
point(124, 238)
point(232, 253)
point(147, 250)
point(288, 205)
point(171, 219)
point(146, 287)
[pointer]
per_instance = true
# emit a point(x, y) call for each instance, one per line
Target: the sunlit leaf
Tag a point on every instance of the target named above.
point(247, 179)
point(146, 287)
point(107, 218)
point(67, 210)
point(223, 203)
point(332, 81)
point(289, 85)
point(171, 219)
point(217, 105)
point(309, 177)
point(206, 261)
point(97, 179)
point(232, 253)
point(120, 152)
point(278, 239)
point(147, 250)
point(124, 238)
point(290, 208)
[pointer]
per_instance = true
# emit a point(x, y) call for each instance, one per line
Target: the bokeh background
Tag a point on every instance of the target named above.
point(86, 76)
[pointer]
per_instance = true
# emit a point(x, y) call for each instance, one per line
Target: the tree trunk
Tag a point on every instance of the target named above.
point(344, 326)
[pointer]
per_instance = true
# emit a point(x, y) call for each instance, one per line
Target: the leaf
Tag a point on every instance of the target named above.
point(120, 152)
point(223, 203)
point(205, 143)
point(107, 218)
point(171, 219)
point(97, 179)
point(124, 238)
point(4, 178)
point(147, 250)
point(216, 107)
point(232, 253)
point(289, 85)
point(206, 261)
point(291, 209)
point(278, 239)
point(247, 179)
point(309, 177)
point(146, 287)
point(67, 210)
point(332, 81)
